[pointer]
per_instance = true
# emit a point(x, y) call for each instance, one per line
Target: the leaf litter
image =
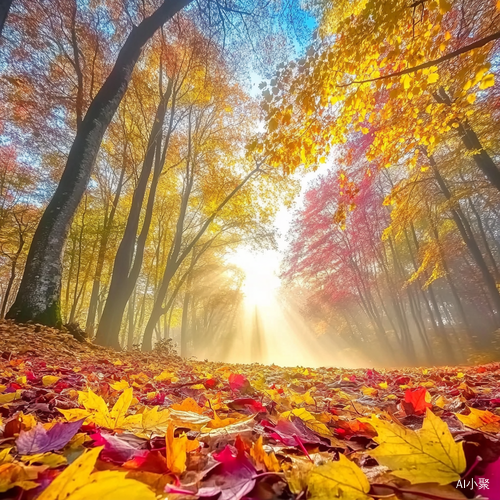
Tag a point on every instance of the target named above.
point(79, 421)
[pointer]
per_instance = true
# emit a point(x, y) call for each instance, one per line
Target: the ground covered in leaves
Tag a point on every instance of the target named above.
point(81, 422)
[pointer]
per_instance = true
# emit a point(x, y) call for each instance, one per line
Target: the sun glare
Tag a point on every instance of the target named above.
point(261, 279)
point(272, 330)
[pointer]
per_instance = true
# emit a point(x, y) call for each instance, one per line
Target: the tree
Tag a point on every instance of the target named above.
point(38, 297)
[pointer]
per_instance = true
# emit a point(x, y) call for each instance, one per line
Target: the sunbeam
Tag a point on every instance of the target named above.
point(270, 328)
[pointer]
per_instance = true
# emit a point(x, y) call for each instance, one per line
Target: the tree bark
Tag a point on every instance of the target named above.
point(38, 298)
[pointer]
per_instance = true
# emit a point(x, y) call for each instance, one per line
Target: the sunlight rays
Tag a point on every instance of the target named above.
point(271, 330)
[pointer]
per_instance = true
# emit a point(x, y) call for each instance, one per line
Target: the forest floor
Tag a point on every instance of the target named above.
point(81, 421)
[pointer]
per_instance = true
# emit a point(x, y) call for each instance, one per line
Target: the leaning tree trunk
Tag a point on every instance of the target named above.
point(38, 298)
point(470, 242)
point(473, 144)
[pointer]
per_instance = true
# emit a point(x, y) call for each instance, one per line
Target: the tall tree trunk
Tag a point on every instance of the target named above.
point(106, 233)
point(176, 257)
point(185, 308)
point(486, 243)
point(12, 277)
point(131, 315)
point(4, 12)
point(38, 298)
point(127, 266)
point(78, 266)
point(470, 241)
point(70, 276)
point(471, 141)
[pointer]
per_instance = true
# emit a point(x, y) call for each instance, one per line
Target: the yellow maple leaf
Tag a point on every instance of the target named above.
point(13, 474)
point(310, 420)
point(429, 455)
point(487, 82)
point(342, 479)
point(50, 380)
point(189, 404)
point(51, 460)
point(74, 414)
point(99, 414)
point(433, 78)
point(269, 461)
point(177, 450)
point(5, 455)
point(383, 385)
point(9, 397)
point(369, 391)
point(78, 483)
point(120, 386)
point(482, 420)
point(302, 398)
point(166, 376)
point(149, 421)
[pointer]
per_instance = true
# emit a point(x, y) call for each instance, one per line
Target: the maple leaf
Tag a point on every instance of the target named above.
point(189, 419)
point(50, 380)
point(189, 404)
point(429, 455)
point(341, 479)
point(13, 474)
point(39, 440)
point(482, 420)
point(101, 416)
point(9, 397)
point(120, 386)
point(233, 478)
point(416, 402)
point(310, 421)
point(177, 450)
point(77, 482)
point(239, 383)
point(120, 448)
point(51, 460)
point(269, 461)
point(149, 421)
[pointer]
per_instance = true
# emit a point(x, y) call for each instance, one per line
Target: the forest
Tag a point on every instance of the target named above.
point(258, 185)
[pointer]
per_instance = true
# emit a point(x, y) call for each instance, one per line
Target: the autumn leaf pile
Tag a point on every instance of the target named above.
point(95, 423)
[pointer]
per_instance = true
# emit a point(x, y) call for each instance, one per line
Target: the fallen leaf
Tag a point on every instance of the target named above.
point(342, 479)
point(39, 440)
point(78, 483)
point(13, 474)
point(429, 455)
point(50, 380)
point(482, 420)
point(177, 450)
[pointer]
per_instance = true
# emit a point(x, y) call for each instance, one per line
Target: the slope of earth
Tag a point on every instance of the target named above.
point(79, 421)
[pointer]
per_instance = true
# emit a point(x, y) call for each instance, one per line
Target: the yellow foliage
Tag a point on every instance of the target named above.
point(425, 456)
point(77, 482)
point(341, 479)
point(269, 461)
point(177, 450)
point(481, 420)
